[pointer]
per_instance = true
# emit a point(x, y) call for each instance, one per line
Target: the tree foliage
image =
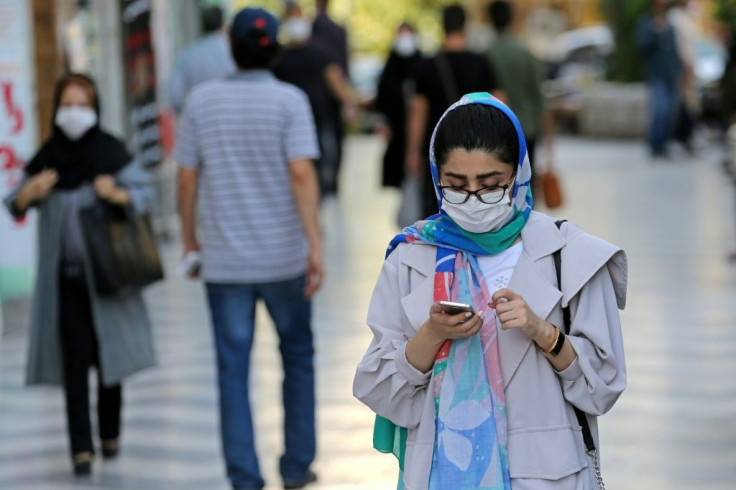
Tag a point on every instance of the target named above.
point(725, 11)
point(372, 23)
point(623, 16)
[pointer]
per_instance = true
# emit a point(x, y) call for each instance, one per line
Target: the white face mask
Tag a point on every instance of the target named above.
point(405, 45)
point(297, 29)
point(75, 121)
point(479, 217)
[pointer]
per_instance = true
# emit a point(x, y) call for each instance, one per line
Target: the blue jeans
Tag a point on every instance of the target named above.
point(232, 307)
point(664, 103)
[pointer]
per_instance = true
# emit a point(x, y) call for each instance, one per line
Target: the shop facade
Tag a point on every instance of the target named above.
point(127, 46)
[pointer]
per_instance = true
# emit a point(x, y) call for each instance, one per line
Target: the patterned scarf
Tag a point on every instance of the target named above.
point(469, 402)
point(470, 441)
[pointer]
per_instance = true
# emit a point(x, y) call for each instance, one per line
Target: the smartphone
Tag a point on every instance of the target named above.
point(452, 308)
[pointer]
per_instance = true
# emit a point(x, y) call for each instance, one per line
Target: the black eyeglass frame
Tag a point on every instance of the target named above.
point(476, 193)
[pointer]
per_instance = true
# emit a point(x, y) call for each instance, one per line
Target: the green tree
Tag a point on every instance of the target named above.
point(371, 23)
point(725, 11)
point(623, 17)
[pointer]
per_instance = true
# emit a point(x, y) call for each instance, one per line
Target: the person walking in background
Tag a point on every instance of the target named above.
point(727, 87)
point(304, 64)
point(72, 327)
point(657, 41)
point(331, 36)
point(728, 82)
point(245, 151)
point(439, 81)
point(686, 31)
point(520, 75)
point(391, 101)
point(204, 60)
point(332, 39)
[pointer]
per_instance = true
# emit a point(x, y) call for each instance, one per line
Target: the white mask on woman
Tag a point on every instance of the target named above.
point(405, 45)
point(478, 217)
point(75, 121)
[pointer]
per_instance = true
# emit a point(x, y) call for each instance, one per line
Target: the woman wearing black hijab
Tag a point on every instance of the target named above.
point(72, 327)
point(391, 102)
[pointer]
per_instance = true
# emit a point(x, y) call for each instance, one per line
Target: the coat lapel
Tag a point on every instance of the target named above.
point(420, 262)
point(541, 296)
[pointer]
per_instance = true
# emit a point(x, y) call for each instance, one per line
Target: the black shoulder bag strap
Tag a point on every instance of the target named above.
point(582, 420)
point(446, 78)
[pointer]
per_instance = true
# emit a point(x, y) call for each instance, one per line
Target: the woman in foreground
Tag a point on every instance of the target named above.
point(487, 399)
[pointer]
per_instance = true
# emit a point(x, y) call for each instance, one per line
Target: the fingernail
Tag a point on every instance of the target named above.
point(468, 315)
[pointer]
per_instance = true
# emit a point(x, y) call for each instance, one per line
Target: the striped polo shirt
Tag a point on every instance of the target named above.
point(240, 133)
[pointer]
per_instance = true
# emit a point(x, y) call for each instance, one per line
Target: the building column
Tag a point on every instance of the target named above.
point(48, 60)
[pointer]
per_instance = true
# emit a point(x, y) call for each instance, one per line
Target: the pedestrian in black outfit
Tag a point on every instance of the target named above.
point(332, 38)
point(72, 328)
point(439, 82)
point(728, 108)
point(307, 65)
point(391, 101)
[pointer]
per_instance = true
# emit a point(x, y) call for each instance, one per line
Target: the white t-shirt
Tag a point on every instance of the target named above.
point(497, 269)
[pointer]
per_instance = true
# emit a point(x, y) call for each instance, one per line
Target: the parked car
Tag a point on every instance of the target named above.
point(580, 58)
point(577, 60)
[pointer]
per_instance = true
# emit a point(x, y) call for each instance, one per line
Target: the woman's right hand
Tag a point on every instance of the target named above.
point(422, 349)
point(37, 188)
point(443, 326)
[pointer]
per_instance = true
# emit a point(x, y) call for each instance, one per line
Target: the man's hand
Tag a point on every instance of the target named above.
point(306, 194)
point(315, 272)
point(187, 182)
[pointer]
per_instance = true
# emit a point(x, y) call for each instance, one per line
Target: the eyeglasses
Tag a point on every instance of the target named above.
point(486, 195)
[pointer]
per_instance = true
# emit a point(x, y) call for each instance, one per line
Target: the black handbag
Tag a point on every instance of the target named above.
point(122, 248)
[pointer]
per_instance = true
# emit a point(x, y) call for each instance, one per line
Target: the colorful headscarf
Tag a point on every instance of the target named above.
point(441, 230)
point(462, 392)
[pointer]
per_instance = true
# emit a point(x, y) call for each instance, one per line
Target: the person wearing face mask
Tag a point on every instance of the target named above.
point(482, 398)
point(205, 59)
point(72, 328)
point(309, 67)
point(392, 100)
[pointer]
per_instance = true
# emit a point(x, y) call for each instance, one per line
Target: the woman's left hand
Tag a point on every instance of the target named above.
point(106, 189)
point(513, 312)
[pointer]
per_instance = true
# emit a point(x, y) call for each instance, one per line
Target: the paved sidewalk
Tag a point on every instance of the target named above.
point(673, 428)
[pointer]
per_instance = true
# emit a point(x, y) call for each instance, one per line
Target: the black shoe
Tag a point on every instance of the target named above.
point(110, 448)
point(82, 464)
point(310, 477)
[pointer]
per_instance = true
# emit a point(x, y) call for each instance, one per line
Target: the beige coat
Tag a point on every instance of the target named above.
point(545, 444)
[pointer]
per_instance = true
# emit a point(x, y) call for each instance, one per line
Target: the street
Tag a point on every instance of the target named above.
point(672, 428)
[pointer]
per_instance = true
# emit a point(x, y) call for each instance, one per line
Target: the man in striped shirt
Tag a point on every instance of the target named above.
point(245, 150)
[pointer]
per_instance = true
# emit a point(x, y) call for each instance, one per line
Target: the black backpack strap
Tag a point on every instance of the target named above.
point(582, 420)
